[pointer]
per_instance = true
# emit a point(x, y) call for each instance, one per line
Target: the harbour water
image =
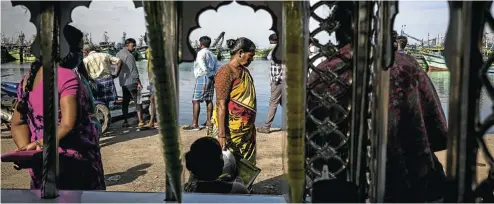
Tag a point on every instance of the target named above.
point(260, 73)
point(259, 70)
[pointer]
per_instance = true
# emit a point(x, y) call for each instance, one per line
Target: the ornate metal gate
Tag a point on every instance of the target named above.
point(342, 137)
point(468, 76)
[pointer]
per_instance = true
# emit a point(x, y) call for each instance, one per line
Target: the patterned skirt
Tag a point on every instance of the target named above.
point(106, 90)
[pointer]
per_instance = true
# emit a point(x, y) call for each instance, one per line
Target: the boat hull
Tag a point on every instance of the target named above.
point(435, 63)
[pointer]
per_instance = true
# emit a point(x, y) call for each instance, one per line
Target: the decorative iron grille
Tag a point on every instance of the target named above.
point(336, 133)
point(327, 121)
point(370, 144)
point(466, 132)
point(484, 192)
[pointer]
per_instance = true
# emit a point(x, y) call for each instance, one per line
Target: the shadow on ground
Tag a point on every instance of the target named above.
point(272, 186)
point(117, 133)
point(125, 134)
point(126, 176)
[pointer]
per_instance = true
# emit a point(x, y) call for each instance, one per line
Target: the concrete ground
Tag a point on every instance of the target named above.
point(133, 161)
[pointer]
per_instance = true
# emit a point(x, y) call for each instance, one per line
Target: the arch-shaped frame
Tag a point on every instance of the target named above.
point(189, 21)
point(65, 19)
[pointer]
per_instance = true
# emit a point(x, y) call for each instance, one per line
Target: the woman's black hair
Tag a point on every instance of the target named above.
point(242, 43)
point(71, 61)
point(74, 37)
point(204, 159)
point(22, 105)
point(74, 58)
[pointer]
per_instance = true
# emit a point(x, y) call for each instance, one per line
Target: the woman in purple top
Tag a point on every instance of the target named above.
point(80, 166)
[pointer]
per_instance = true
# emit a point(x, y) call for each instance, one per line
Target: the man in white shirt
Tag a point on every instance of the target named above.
point(205, 68)
point(98, 67)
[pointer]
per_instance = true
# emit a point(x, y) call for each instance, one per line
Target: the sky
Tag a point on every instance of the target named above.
point(116, 17)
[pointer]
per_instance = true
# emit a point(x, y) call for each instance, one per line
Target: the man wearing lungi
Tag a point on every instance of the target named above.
point(129, 81)
point(98, 67)
point(205, 68)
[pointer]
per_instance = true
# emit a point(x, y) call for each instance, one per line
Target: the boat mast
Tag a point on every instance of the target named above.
point(124, 37)
point(141, 39)
point(106, 38)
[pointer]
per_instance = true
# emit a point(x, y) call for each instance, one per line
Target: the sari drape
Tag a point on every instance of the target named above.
point(240, 130)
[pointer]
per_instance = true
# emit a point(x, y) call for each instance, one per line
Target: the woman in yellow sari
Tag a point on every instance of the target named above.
point(234, 114)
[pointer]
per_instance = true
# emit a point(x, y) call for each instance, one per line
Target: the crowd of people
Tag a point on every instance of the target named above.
point(417, 124)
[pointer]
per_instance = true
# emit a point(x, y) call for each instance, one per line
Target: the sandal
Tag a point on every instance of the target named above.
point(265, 130)
point(141, 124)
point(191, 128)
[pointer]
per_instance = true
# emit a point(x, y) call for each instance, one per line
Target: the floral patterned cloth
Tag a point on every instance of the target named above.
point(80, 149)
point(240, 94)
point(416, 127)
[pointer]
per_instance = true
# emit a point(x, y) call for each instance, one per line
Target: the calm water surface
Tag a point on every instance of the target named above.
point(258, 69)
point(260, 73)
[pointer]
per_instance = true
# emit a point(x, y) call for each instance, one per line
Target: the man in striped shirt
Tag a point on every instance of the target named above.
point(276, 88)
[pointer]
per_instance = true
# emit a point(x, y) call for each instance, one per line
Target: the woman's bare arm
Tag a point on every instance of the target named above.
point(19, 130)
point(222, 118)
point(68, 108)
point(223, 83)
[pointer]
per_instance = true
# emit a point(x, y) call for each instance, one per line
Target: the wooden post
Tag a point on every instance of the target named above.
point(463, 58)
point(161, 17)
point(295, 57)
point(49, 48)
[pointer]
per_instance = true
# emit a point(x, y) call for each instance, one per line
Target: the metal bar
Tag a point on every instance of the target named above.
point(384, 59)
point(180, 12)
point(463, 57)
point(386, 21)
point(361, 72)
point(49, 50)
point(295, 57)
point(161, 17)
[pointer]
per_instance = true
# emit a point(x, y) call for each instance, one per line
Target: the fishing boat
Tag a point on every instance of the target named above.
point(433, 59)
point(435, 62)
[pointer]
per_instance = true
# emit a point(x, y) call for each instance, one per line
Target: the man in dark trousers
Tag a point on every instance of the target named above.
point(276, 88)
point(129, 80)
